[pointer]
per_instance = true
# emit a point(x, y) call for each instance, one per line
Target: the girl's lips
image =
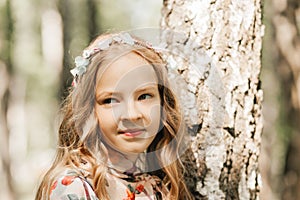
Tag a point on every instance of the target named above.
point(132, 133)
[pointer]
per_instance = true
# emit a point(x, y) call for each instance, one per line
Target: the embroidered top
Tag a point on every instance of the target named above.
point(120, 186)
point(71, 186)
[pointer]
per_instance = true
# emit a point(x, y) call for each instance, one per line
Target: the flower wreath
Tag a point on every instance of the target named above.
point(81, 62)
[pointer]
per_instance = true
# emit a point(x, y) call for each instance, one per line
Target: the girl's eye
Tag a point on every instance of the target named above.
point(109, 101)
point(145, 96)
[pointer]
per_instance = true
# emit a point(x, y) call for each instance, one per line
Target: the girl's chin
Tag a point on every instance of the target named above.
point(133, 151)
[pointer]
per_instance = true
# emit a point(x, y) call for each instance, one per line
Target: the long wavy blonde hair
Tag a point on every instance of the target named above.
point(78, 135)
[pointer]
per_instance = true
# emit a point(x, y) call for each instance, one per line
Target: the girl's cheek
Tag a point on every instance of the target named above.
point(154, 113)
point(116, 113)
point(155, 109)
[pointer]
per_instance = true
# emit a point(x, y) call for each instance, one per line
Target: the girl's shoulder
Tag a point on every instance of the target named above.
point(72, 186)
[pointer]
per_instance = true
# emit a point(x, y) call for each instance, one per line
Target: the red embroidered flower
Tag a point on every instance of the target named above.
point(140, 188)
point(53, 186)
point(67, 180)
point(130, 195)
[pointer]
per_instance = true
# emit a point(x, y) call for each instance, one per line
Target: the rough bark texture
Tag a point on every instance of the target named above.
point(216, 46)
point(286, 21)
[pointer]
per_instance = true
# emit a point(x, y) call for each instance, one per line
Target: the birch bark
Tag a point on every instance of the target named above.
point(216, 47)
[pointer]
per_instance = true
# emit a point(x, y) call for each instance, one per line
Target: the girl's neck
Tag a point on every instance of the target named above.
point(120, 161)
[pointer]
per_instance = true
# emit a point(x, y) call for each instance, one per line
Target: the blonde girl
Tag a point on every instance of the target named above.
point(121, 129)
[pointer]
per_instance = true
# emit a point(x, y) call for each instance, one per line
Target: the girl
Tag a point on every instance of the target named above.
point(121, 130)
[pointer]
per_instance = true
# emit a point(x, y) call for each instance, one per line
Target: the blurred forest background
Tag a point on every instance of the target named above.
point(38, 41)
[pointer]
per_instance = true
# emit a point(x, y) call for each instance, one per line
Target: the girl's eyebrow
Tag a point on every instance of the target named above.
point(105, 94)
point(152, 86)
point(148, 86)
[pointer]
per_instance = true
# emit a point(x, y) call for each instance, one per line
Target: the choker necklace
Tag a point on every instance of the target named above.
point(131, 175)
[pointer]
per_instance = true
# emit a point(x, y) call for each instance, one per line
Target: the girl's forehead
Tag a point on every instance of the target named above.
point(121, 62)
point(130, 70)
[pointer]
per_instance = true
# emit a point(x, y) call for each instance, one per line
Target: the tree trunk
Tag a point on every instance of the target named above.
point(272, 148)
point(286, 21)
point(6, 73)
point(80, 25)
point(216, 45)
point(92, 19)
point(65, 10)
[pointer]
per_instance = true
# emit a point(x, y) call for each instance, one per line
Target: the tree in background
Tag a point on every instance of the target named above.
point(6, 74)
point(280, 158)
point(286, 22)
point(80, 21)
point(227, 143)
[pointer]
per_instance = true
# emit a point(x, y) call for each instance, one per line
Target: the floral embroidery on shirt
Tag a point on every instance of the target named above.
point(53, 186)
point(137, 185)
point(137, 190)
point(71, 187)
point(130, 195)
point(67, 180)
point(140, 188)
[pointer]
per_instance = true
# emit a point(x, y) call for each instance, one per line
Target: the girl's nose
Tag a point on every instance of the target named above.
point(131, 112)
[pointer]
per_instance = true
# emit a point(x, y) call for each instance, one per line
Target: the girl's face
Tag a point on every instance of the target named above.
point(128, 104)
